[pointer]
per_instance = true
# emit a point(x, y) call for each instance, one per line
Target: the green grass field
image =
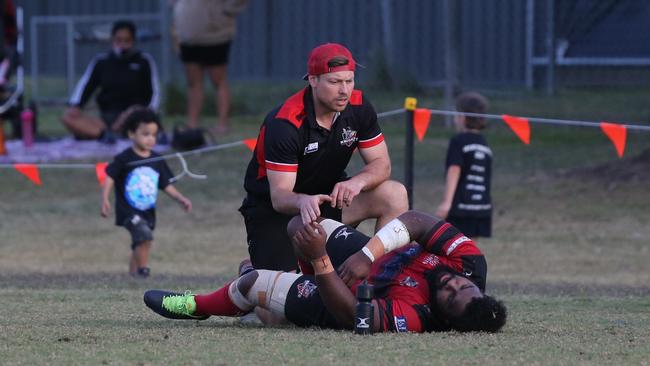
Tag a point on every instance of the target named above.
point(569, 253)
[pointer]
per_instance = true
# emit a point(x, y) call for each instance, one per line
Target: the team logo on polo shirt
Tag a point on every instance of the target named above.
point(349, 137)
point(312, 147)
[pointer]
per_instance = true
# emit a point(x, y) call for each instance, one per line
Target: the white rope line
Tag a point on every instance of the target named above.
point(540, 120)
point(390, 113)
point(52, 166)
point(198, 151)
point(186, 171)
point(189, 152)
point(162, 157)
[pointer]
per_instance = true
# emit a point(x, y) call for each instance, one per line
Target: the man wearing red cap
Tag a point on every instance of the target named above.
point(303, 148)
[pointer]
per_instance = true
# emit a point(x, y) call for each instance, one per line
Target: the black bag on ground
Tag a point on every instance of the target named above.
point(186, 138)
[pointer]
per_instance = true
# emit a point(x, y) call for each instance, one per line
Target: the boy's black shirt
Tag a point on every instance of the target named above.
point(136, 185)
point(471, 152)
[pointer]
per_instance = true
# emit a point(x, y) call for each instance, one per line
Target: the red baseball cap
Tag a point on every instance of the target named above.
point(321, 55)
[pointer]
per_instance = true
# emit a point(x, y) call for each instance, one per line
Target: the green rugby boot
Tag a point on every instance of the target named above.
point(172, 305)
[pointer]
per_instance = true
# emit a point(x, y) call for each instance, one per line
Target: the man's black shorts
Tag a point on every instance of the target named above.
point(304, 306)
point(211, 55)
point(269, 245)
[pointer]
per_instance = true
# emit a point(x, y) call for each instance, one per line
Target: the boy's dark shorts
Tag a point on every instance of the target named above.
point(140, 229)
point(210, 55)
point(473, 227)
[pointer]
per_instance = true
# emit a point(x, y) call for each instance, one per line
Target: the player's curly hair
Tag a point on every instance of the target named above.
point(139, 116)
point(482, 314)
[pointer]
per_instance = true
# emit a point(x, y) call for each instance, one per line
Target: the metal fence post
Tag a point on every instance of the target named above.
point(530, 43)
point(550, 47)
point(450, 11)
point(69, 29)
point(409, 104)
point(33, 57)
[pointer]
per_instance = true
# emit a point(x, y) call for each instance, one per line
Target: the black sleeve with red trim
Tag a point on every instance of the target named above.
point(441, 234)
point(281, 146)
point(370, 133)
point(445, 240)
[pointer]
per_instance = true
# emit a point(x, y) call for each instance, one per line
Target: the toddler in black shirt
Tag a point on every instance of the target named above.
point(137, 179)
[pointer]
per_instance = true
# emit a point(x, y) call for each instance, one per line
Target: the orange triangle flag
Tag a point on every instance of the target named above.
point(100, 170)
point(519, 126)
point(250, 143)
point(617, 133)
point(421, 119)
point(30, 171)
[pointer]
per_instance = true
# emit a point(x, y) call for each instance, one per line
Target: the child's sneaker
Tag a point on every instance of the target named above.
point(143, 272)
point(172, 305)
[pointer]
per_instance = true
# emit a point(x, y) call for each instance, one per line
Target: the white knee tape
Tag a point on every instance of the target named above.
point(394, 235)
point(278, 296)
point(238, 298)
point(269, 291)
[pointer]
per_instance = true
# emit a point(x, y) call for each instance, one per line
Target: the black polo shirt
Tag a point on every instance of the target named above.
point(290, 140)
point(471, 152)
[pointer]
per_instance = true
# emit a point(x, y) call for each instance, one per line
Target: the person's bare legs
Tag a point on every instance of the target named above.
point(82, 125)
point(384, 203)
point(195, 94)
point(140, 256)
point(133, 266)
point(219, 78)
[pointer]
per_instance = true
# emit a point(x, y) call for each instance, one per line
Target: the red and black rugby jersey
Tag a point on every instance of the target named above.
point(401, 288)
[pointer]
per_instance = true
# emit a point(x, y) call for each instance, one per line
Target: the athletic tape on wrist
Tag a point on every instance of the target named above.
point(368, 253)
point(322, 265)
point(394, 235)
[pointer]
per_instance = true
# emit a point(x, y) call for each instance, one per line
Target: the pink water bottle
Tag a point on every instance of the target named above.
point(27, 126)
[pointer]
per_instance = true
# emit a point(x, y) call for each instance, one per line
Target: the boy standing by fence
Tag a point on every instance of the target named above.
point(466, 202)
point(136, 187)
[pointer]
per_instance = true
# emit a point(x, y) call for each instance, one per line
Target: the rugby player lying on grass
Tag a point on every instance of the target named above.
point(434, 284)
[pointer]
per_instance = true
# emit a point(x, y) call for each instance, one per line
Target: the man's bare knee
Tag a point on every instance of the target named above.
point(392, 194)
point(398, 196)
